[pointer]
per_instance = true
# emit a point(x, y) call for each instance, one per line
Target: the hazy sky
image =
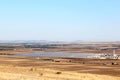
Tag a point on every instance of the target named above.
point(67, 20)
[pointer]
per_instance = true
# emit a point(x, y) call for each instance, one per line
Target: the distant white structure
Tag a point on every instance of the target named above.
point(107, 55)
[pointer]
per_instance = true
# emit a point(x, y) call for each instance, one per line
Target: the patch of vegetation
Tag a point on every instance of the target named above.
point(58, 72)
point(33, 69)
point(41, 74)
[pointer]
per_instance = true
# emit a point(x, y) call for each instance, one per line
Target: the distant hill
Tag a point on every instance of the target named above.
point(78, 41)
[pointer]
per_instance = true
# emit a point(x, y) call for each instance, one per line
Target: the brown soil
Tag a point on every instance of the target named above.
point(30, 68)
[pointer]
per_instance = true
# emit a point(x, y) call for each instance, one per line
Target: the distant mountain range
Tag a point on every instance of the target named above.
point(24, 41)
point(35, 41)
point(78, 41)
point(43, 41)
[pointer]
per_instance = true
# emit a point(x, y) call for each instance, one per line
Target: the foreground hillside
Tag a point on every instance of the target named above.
point(30, 73)
point(30, 69)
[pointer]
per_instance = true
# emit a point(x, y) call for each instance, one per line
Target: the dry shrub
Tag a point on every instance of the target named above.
point(33, 69)
point(58, 72)
point(40, 74)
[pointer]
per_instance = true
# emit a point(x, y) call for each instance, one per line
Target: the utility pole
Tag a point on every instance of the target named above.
point(114, 52)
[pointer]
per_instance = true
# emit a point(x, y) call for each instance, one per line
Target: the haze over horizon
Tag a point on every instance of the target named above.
point(60, 20)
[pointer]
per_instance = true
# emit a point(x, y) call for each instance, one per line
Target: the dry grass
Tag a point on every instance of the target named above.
point(37, 73)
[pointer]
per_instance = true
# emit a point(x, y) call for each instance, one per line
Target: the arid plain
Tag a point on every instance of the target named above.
point(55, 68)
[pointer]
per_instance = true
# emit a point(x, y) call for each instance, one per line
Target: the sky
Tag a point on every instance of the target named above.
point(60, 20)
